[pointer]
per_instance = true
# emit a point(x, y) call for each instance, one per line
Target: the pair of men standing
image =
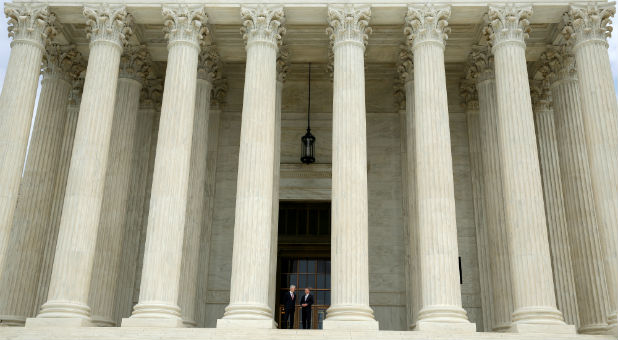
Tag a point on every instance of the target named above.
point(289, 306)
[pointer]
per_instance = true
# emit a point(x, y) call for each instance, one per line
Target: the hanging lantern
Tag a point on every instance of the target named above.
point(308, 141)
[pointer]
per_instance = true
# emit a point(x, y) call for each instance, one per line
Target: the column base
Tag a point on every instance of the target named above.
point(365, 325)
point(521, 327)
point(12, 321)
point(58, 322)
point(598, 329)
point(246, 324)
point(448, 327)
point(101, 321)
point(152, 322)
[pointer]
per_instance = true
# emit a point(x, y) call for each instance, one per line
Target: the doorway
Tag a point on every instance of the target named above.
point(303, 256)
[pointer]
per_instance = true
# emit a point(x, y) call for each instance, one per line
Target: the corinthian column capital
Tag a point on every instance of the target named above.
point(481, 64)
point(62, 62)
point(560, 64)
point(185, 24)
point(209, 65)
point(508, 23)
point(108, 23)
point(283, 63)
point(30, 23)
point(427, 23)
point(469, 94)
point(349, 23)
point(152, 92)
point(589, 23)
point(135, 63)
point(405, 66)
point(263, 24)
point(540, 95)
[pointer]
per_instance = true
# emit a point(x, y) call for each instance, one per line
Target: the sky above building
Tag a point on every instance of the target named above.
point(5, 50)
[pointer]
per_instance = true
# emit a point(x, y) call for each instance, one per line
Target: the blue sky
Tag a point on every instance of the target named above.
point(5, 50)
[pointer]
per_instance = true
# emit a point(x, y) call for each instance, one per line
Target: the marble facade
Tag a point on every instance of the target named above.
point(469, 153)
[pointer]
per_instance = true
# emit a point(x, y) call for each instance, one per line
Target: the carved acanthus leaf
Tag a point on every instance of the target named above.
point(184, 23)
point(349, 23)
point(590, 22)
point(108, 23)
point(540, 95)
point(30, 22)
point(135, 63)
point(508, 23)
point(427, 23)
point(558, 63)
point(262, 23)
point(283, 63)
point(209, 64)
point(63, 61)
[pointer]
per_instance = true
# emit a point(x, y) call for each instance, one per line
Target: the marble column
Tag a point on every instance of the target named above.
point(498, 253)
point(426, 30)
point(134, 68)
point(588, 31)
point(406, 74)
point(217, 102)
point(67, 302)
point(555, 213)
point(185, 28)
point(585, 243)
point(146, 206)
point(250, 281)
point(470, 96)
point(282, 70)
point(349, 307)
point(30, 26)
point(20, 273)
point(534, 300)
point(150, 101)
point(196, 196)
point(57, 199)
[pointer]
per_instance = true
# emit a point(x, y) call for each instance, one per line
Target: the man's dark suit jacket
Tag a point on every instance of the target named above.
point(288, 302)
point(309, 302)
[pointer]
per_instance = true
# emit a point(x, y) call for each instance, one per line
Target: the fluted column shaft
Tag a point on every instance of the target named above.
point(435, 195)
point(478, 193)
point(534, 299)
point(20, 273)
point(411, 202)
point(272, 291)
point(349, 234)
point(498, 250)
point(57, 199)
point(115, 203)
point(29, 27)
point(213, 144)
point(196, 211)
point(585, 244)
point(600, 118)
point(67, 302)
point(137, 193)
point(250, 281)
point(159, 286)
point(557, 229)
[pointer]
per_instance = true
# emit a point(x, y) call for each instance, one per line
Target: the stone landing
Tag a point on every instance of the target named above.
point(105, 333)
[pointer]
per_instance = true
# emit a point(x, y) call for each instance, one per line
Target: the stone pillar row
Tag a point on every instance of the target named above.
point(525, 202)
point(29, 232)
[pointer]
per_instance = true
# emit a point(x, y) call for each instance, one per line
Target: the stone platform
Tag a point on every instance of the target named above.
point(103, 333)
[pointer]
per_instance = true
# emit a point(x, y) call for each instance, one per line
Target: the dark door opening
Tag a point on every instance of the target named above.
point(303, 257)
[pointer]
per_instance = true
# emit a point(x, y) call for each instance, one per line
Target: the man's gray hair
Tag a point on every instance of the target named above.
point(292, 286)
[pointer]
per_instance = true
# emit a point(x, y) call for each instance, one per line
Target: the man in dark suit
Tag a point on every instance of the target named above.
point(289, 306)
point(306, 301)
